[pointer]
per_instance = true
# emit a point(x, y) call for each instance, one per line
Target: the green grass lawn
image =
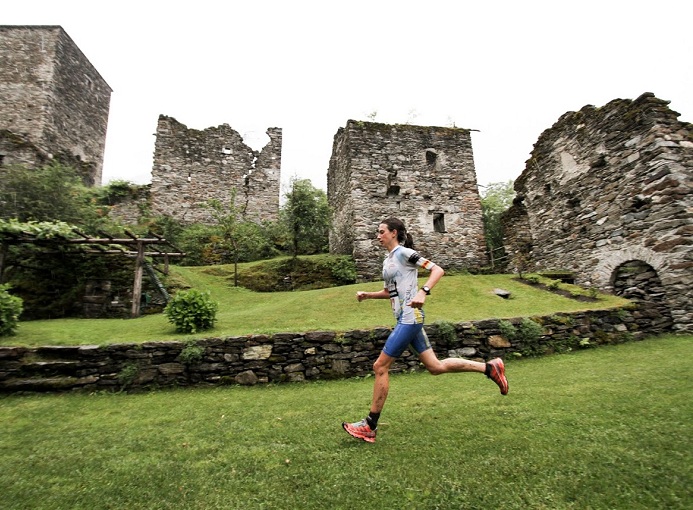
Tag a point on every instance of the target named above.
point(608, 428)
point(242, 312)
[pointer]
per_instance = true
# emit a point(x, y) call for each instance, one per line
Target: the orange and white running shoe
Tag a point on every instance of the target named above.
point(497, 374)
point(360, 430)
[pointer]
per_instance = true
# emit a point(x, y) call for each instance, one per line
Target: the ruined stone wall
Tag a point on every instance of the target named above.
point(192, 167)
point(423, 175)
point(606, 186)
point(52, 98)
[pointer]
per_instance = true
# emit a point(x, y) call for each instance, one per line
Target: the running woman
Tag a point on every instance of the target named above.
point(400, 274)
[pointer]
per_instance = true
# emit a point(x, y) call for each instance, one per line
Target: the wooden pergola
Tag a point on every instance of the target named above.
point(132, 246)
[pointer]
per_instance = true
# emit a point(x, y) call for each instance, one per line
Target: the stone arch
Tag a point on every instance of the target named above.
point(610, 260)
point(638, 281)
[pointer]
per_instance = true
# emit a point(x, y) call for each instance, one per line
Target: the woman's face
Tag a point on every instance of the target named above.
point(386, 236)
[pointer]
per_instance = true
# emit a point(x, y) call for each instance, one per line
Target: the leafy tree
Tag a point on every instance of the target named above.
point(306, 217)
point(496, 198)
point(53, 192)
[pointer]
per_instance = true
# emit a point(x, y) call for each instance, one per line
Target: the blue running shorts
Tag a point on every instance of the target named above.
point(405, 335)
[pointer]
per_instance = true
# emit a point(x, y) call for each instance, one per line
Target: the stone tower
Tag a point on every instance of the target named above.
point(192, 167)
point(422, 175)
point(608, 195)
point(53, 103)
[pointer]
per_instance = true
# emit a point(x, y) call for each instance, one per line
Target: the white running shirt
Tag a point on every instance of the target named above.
point(400, 274)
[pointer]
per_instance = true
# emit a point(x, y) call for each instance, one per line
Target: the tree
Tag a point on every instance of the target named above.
point(306, 217)
point(227, 219)
point(53, 192)
point(495, 200)
point(234, 238)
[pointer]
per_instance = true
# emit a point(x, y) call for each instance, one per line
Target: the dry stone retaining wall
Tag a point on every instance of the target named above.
point(291, 357)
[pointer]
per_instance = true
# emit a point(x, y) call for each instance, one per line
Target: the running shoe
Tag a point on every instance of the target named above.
point(497, 374)
point(360, 430)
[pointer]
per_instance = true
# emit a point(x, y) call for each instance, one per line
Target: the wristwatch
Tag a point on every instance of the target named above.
point(426, 289)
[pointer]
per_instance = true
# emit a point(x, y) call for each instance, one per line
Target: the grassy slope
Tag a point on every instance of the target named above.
point(241, 312)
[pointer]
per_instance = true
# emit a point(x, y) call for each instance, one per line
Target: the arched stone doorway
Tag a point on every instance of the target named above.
point(638, 281)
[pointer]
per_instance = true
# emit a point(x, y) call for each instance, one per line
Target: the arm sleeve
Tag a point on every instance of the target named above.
point(414, 259)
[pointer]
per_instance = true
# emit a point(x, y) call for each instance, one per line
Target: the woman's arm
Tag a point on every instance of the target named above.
point(437, 273)
point(381, 294)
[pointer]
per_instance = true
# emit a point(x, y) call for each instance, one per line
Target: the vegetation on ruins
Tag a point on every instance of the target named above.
point(53, 192)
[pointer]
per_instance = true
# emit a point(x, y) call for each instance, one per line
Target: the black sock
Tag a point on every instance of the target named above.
point(372, 420)
point(487, 371)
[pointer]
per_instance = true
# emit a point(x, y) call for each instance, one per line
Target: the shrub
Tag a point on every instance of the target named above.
point(10, 310)
point(343, 269)
point(529, 331)
point(507, 329)
point(446, 331)
point(192, 311)
point(553, 284)
point(128, 374)
point(191, 353)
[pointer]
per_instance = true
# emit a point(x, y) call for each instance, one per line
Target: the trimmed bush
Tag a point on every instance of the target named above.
point(10, 310)
point(192, 311)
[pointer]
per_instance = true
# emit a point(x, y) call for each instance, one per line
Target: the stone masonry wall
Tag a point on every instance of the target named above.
point(53, 98)
point(293, 357)
point(422, 175)
point(606, 186)
point(192, 167)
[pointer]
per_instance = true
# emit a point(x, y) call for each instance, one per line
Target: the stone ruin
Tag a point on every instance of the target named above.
point(423, 175)
point(54, 104)
point(192, 167)
point(607, 196)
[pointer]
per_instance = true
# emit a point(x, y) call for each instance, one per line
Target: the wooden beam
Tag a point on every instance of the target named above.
point(137, 285)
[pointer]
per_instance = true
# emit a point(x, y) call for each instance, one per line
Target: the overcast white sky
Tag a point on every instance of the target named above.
point(509, 69)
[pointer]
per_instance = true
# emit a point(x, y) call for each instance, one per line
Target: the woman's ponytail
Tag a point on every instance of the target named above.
point(409, 241)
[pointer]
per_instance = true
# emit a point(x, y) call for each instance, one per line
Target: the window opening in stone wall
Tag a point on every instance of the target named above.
point(392, 187)
point(439, 222)
point(189, 177)
point(2, 159)
point(399, 205)
point(393, 190)
point(226, 150)
point(431, 156)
